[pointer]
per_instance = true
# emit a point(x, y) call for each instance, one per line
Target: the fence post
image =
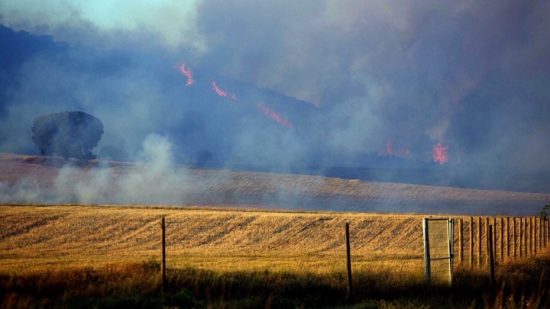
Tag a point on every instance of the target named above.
point(460, 242)
point(508, 238)
point(525, 238)
point(540, 233)
point(495, 236)
point(163, 253)
point(479, 241)
point(545, 232)
point(450, 244)
point(531, 236)
point(487, 233)
point(427, 271)
point(536, 227)
point(491, 254)
point(545, 239)
point(515, 238)
point(501, 239)
point(521, 232)
point(471, 242)
point(348, 258)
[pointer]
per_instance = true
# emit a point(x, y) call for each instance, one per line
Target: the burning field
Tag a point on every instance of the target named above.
point(34, 179)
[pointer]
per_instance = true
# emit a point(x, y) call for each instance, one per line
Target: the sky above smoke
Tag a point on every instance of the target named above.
point(471, 76)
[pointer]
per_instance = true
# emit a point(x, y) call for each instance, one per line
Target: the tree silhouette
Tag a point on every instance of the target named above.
point(67, 134)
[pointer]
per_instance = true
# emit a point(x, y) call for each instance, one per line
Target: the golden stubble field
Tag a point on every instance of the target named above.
point(35, 238)
point(233, 236)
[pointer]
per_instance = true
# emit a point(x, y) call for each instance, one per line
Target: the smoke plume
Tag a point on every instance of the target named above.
point(347, 77)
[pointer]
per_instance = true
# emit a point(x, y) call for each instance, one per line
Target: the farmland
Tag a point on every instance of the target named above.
point(44, 181)
point(234, 242)
point(222, 257)
point(222, 239)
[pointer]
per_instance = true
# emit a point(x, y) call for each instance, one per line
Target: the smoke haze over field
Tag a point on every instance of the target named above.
point(308, 83)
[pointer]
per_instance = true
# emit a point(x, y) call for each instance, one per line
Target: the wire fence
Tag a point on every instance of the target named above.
point(256, 241)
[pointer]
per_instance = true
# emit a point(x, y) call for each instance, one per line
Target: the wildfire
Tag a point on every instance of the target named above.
point(222, 93)
point(440, 153)
point(273, 115)
point(391, 150)
point(186, 71)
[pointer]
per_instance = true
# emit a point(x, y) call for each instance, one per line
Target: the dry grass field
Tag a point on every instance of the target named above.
point(38, 237)
point(255, 189)
point(241, 251)
point(108, 256)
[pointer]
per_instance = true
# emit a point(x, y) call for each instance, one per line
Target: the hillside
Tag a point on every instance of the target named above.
point(45, 181)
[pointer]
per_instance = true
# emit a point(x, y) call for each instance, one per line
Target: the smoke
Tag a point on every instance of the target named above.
point(470, 75)
point(156, 180)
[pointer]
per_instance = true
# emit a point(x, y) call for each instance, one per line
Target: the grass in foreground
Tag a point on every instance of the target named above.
point(138, 285)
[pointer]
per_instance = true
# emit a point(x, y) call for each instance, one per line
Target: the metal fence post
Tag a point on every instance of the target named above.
point(348, 259)
point(427, 271)
point(163, 253)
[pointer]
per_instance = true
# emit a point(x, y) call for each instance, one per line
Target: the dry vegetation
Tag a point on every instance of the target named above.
point(228, 240)
point(108, 256)
point(208, 187)
point(235, 257)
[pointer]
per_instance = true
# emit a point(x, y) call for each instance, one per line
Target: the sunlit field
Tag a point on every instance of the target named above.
point(35, 238)
point(106, 255)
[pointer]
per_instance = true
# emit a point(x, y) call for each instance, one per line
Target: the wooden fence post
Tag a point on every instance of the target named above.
point(544, 231)
point(536, 234)
point(495, 236)
point(515, 238)
point(163, 254)
point(427, 270)
point(479, 241)
point(487, 233)
point(508, 238)
point(348, 258)
point(547, 230)
point(450, 245)
point(525, 237)
point(540, 233)
point(536, 227)
point(471, 242)
point(530, 222)
point(521, 237)
point(460, 242)
point(501, 239)
point(491, 254)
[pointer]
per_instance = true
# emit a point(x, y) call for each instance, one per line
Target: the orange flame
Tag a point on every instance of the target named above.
point(222, 93)
point(273, 115)
point(392, 151)
point(389, 148)
point(186, 71)
point(440, 153)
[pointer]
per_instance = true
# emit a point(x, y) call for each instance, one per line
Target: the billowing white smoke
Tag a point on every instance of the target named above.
point(155, 180)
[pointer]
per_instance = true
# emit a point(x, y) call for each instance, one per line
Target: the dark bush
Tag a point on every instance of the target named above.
point(67, 134)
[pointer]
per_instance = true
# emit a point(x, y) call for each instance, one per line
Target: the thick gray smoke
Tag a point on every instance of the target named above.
point(472, 75)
